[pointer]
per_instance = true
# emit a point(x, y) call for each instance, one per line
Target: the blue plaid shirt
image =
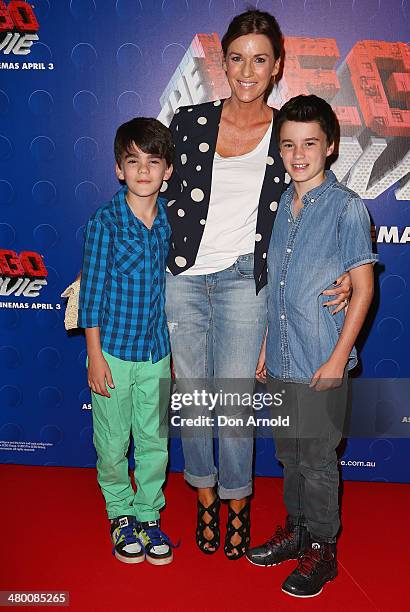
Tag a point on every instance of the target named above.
point(123, 281)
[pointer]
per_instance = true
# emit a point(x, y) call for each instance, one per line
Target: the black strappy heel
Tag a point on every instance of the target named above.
point(208, 546)
point(236, 551)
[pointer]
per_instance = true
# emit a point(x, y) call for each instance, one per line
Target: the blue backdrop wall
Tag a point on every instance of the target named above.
point(70, 73)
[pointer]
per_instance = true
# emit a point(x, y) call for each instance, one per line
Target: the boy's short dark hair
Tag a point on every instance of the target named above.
point(148, 134)
point(306, 109)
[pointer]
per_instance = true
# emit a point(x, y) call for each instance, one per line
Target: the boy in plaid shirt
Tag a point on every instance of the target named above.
point(121, 307)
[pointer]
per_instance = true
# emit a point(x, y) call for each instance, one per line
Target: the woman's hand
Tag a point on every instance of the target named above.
point(99, 375)
point(343, 292)
point(260, 373)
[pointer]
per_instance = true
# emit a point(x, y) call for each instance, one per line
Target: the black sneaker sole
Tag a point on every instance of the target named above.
point(302, 596)
point(309, 596)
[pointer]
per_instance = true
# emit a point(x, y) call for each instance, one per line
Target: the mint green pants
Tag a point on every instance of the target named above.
point(138, 405)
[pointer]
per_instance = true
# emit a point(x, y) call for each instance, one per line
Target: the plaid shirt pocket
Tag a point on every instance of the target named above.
point(129, 256)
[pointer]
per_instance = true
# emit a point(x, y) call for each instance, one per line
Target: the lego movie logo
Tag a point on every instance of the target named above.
point(369, 91)
point(18, 27)
point(21, 275)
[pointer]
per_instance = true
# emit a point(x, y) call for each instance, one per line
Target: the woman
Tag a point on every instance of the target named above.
point(222, 203)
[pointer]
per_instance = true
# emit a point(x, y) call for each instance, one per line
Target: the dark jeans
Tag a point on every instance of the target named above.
point(307, 450)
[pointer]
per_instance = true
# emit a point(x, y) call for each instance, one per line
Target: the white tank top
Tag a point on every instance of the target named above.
point(233, 209)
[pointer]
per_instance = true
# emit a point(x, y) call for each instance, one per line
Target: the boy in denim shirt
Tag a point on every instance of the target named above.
point(122, 308)
point(322, 229)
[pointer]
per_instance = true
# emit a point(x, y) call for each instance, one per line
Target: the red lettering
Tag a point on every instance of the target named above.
point(398, 87)
point(10, 264)
point(23, 16)
point(309, 69)
point(6, 22)
point(373, 64)
point(18, 16)
point(309, 66)
point(33, 264)
point(28, 263)
point(349, 119)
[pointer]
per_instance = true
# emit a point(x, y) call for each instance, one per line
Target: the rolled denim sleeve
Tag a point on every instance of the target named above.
point(93, 276)
point(354, 235)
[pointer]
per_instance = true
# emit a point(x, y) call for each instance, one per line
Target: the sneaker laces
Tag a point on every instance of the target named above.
point(308, 561)
point(157, 537)
point(281, 535)
point(127, 534)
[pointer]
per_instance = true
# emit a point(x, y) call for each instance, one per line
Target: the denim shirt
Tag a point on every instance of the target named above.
point(330, 235)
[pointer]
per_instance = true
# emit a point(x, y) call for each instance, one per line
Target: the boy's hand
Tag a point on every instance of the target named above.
point(99, 374)
point(260, 373)
point(328, 376)
point(343, 291)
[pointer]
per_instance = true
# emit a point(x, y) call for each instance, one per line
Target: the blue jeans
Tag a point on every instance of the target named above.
point(217, 324)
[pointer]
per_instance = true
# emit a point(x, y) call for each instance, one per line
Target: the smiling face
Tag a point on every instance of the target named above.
point(304, 150)
point(250, 65)
point(142, 172)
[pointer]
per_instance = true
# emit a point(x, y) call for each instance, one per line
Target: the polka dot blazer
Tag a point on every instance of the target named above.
point(195, 132)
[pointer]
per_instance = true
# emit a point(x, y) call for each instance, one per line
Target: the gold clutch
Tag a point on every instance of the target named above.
point(71, 312)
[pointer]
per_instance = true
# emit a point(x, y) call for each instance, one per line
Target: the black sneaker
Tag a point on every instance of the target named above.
point(316, 566)
point(157, 546)
point(286, 543)
point(126, 545)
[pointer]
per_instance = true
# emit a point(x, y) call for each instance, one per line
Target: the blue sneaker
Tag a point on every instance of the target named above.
point(157, 545)
point(124, 535)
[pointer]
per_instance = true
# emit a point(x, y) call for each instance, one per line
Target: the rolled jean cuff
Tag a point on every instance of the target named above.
point(201, 482)
point(239, 493)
